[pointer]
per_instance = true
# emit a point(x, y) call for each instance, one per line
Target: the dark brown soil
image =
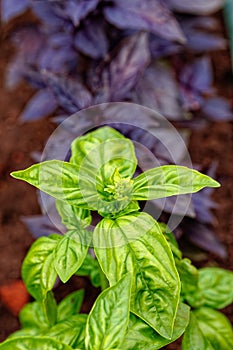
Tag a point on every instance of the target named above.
point(215, 142)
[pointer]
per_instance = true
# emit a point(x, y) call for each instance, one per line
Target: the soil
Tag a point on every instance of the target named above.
point(17, 199)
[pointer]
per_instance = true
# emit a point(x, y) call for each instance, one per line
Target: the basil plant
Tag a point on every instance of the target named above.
point(147, 287)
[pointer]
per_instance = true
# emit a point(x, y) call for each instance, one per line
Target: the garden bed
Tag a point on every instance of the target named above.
point(214, 142)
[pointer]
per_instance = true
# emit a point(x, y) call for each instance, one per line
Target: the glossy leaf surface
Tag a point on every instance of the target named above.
point(170, 180)
point(108, 319)
point(70, 253)
point(208, 330)
point(141, 336)
point(135, 244)
point(38, 258)
point(29, 343)
point(215, 288)
point(70, 305)
point(73, 217)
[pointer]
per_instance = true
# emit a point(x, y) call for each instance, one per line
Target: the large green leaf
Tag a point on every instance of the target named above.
point(208, 330)
point(73, 217)
point(135, 244)
point(108, 319)
point(58, 179)
point(70, 252)
point(70, 305)
point(35, 343)
point(141, 336)
point(170, 180)
point(38, 269)
point(215, 288)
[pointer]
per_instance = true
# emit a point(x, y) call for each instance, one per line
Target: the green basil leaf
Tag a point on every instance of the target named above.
point(141, 336)
point(70, 253)
point(108, 319)
point(90, 267)
point(70, 305)
point(35, 266)
point(58, 179)
point(68, 331)
point(31, 342)
point(73, 217)
point(194, 338)
point(32, 316)
point(25, 332)
point(171, 240)
point(208, 329)
point(105, 149)
point(135, 244)
point(170, 180)
point(49, 306)
point(188, 276)
point(106, 162)
point(215, 288)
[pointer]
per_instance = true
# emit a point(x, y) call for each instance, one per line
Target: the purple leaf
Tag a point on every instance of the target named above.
point(12, 8)
point(71, 94)
point(45, 11)
point(39, 225)
point(79, 9)
point(217, 109)
point(120, 75)
point(159, 90)
point(202, 42)
point(57, 60)
point(199, 38)
point(195, 80)
point(150, 15)
point(197, 7)
point(91, 39)
point(39, 106)
point(203, 237)
point(161, 47)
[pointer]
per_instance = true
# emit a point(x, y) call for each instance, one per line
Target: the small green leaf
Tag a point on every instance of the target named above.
point(208, 330)
point(141, 336)
point(90, 267)
point(32, 316)
point(35, 278)
point(49, 306)
point(171, 240)
point(70, 331)
point(73, 217)
point(215, 288)
point(194, 338)
point(70, 305)
point(188, 276)
point(106, 162)
point(31, 342)
point(170, 180)
point(108, 319)
point(105, 149)
point(71, 252)
point(135, 244)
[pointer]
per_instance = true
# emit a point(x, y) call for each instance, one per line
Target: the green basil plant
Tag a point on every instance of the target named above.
point(151, 295)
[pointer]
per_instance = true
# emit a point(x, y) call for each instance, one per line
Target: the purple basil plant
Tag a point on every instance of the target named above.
point(85, 52)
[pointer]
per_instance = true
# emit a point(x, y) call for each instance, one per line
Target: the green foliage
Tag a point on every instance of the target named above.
point(151, 284)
